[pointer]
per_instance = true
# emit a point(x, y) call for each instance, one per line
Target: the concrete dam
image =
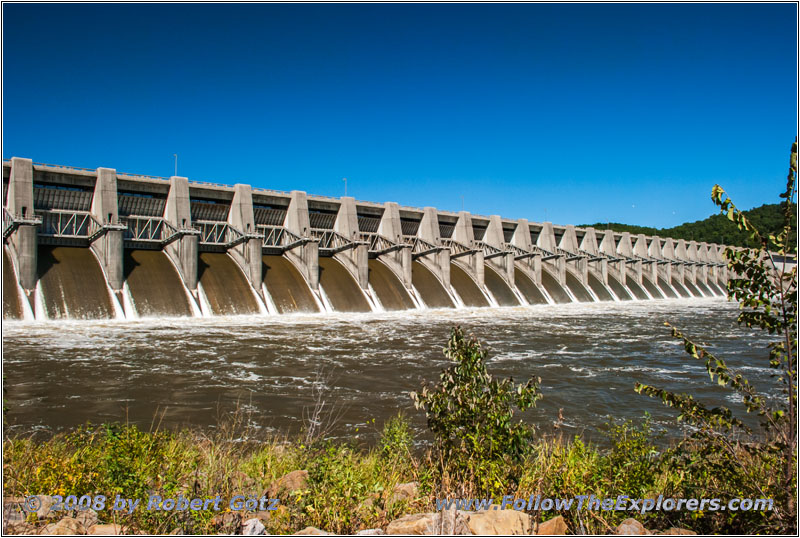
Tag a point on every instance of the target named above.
point(99, 244)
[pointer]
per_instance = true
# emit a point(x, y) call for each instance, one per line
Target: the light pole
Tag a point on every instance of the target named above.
point(345, 185)
point(176, 163)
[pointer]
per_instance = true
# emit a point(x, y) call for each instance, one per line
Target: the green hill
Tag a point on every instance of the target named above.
point(715, 229)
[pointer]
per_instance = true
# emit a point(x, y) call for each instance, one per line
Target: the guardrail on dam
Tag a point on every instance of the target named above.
point(81, 243)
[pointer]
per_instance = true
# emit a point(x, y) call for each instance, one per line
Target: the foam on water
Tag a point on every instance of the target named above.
point(584, 352)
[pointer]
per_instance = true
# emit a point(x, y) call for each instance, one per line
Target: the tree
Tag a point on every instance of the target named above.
point(767, 295)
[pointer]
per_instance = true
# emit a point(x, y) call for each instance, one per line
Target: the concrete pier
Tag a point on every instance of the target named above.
point(305, 257)
point(108, 247)
point(19, 204)
point(398, 260)
point(178, 213)
point(355, 259)
point(464, 235)
point(530, 264)
point(247, 253)
point(437, 262)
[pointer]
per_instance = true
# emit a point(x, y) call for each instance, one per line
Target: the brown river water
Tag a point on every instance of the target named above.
point(195, 371)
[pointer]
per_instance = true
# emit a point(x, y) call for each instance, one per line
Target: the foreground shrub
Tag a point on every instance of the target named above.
point(471, 415)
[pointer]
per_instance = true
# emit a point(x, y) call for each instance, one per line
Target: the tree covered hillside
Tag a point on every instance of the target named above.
point(714, 229)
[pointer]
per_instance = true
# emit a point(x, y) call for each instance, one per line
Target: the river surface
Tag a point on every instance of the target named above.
point(196, 371)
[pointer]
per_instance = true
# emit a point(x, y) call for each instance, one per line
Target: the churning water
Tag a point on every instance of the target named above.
point(589, 355)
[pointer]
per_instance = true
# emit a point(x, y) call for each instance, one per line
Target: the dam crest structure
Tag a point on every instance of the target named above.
point(99, 244)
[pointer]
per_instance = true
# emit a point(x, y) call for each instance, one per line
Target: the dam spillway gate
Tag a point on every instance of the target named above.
point(88, 244)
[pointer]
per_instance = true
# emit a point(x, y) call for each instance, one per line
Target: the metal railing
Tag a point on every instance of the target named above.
point(489, 251)
point(279, 238)
point(218, 233)
point(457, 249)
point(68, 224)
point(147, 229)
point(379, 244)
point(12, 222)
point(420, 247)
point(331, 242)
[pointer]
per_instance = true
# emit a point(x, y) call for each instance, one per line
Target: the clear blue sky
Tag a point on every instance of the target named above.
point(572, 113)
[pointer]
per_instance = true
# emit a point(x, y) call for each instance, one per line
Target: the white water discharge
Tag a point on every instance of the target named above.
point(609, 290)
point(673, 288)
point(569, 294)
point(376, 302)
point(544, 293)
point(316, 295)
point(456, 298)
point(40, 313)
point(595, 298)
point(646, 291)
point(417, 298)
point(326, 303)
point(193, 302)
point(262, 307)
point(268, 299)
point(489, 296)
point(128, 303)
point(27, 313)
point(521, 298)
point(205, 306)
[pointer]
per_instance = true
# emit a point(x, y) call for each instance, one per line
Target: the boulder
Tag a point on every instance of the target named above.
point(88, 518)
point(404, 492)
point(253, 527)
point(288, 483)
point(503, 522)
point(228, 522)
point(411, 524)
point(45, 502)
point(451, 522)
point(555, 526)
point(107, 530)
point(370, 532)
point(67, 526)
point(631, 527)
point(676, 531)
point(310, 530)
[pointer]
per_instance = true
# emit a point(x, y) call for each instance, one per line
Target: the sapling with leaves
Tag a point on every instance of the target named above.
point(766, 290)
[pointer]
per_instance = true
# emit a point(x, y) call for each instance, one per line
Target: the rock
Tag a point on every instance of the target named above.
point(404, 492)
point(310, 530)
point(451, 522)
point(631, 527)
point(264, 515)
point(370, 532)
point(87, 518)
point(176, 531)
point(45, 502)
point(288, 483)
point(253, 527)
point(106, 530)
point(503, 522)
point(68, 525)
point(411, 524)
point(228, 522)
point(676, 531)
point(555, 526)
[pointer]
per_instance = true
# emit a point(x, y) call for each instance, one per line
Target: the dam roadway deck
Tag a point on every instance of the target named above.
point(88, 244)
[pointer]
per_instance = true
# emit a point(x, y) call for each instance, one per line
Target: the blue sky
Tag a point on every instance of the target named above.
point(572, 113)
